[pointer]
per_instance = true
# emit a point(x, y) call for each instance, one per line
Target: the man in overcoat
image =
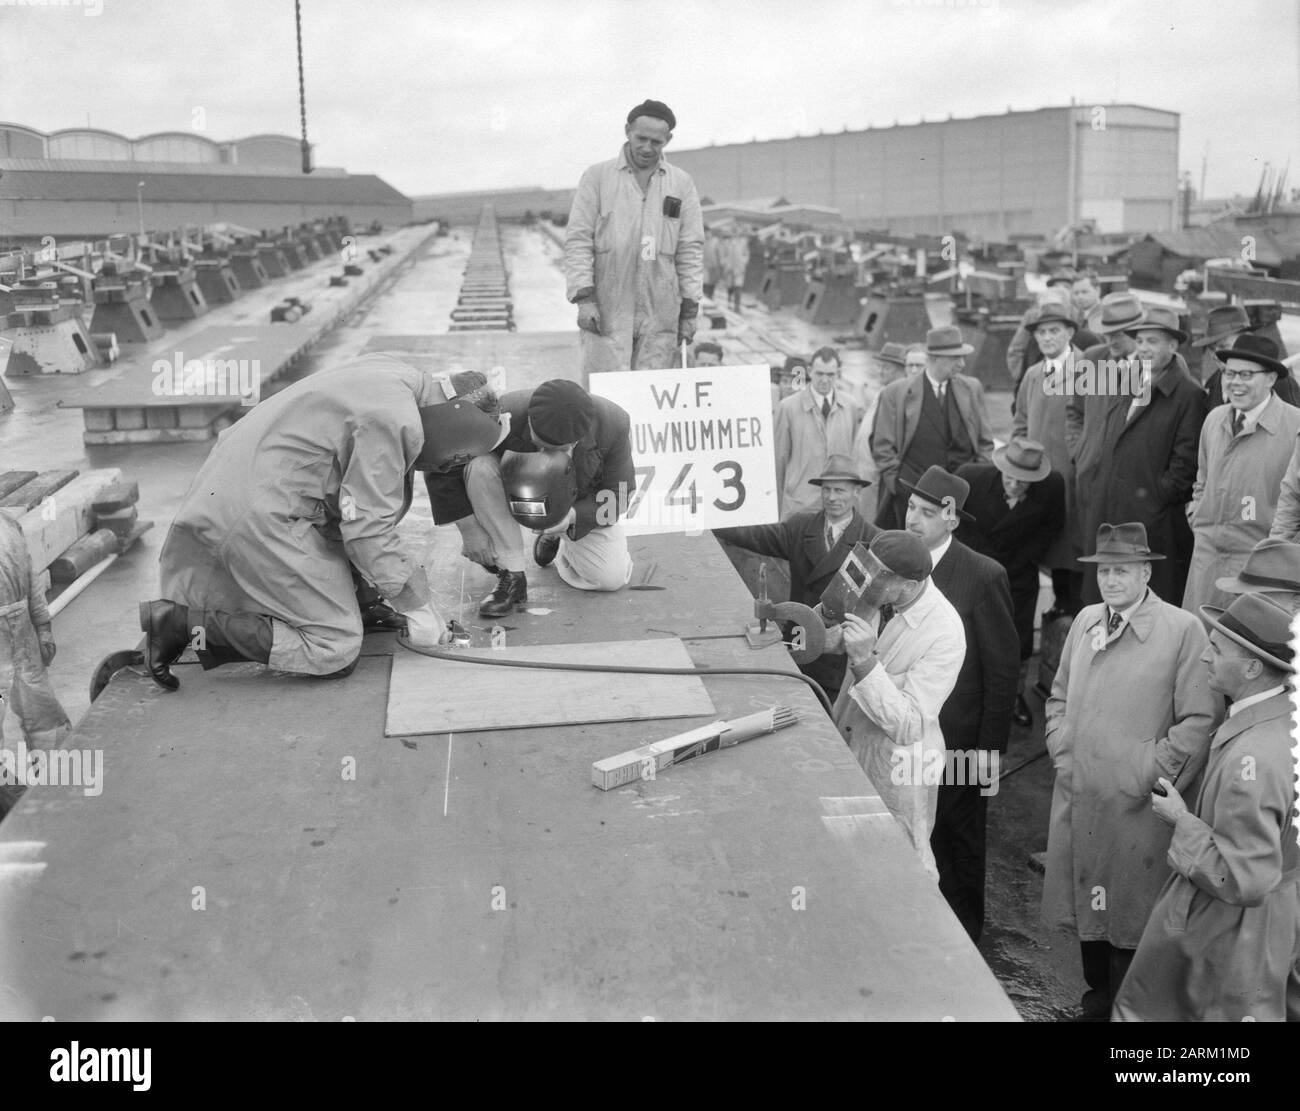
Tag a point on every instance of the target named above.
point(936, 418)
point(1244, 451)
point(1017, 503)
point(1147, 465)
point(1041, 404)
point(812, 425)
point(1224, 936)
point(1130, 703)
point(976, 716)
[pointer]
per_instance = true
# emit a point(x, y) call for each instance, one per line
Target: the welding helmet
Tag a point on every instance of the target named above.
point(541, 486)
point(859, 586)
point(454, 433)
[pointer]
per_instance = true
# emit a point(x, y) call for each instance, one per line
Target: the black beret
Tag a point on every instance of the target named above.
point(561, 411)
point(656, 108)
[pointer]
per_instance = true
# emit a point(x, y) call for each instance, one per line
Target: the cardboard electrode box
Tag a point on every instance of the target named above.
point(646, 761)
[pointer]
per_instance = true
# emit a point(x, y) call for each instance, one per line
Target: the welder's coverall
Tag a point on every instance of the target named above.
point(310, 480)
point(642, 264)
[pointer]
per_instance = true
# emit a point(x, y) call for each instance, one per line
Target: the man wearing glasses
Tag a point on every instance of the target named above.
point(1245, 448)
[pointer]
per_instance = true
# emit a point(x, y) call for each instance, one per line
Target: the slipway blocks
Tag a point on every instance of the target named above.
point(49, 337)
point(122, 306)
point(248, 269)
point(216, 280)
point(176, 294)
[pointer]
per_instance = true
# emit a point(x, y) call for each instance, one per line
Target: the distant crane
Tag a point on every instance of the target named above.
point(302, 90)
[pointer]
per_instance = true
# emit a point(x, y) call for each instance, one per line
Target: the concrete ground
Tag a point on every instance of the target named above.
point(1038, 970)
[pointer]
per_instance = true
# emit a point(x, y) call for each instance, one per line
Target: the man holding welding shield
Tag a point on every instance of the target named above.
point(905, 646)
point(564, 471)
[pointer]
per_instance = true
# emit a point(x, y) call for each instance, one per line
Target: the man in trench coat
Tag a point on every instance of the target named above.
point(1245, 448)
point(1147, 462)
point(1224, 936)
point(1130, 703)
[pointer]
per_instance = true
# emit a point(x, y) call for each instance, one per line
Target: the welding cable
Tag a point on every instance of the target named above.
point(459, 657)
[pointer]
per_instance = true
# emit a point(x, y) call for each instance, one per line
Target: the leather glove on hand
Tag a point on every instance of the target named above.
point(589, 317)
point(48, 647)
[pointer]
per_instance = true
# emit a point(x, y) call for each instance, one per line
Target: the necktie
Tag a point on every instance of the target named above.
point(830, 538)
point(1238, 419)
point(939, 390)
point(1012, 502)
point(1116, 620)
point(886, 615)
point(826, 408)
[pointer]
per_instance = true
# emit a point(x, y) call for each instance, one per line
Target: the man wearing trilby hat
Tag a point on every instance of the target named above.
point(1017, 503)
point(936, 418)
point(1041, 404)
point(1272, 568)
point(1147, 463)
point(1223, 325)
point(1244, 451)
point(1222, 940)
point(1130, 703)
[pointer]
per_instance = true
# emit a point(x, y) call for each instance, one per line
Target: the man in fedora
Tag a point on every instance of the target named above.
point(891, 361)
point(1077, 292)
point(1272, 568)
point(1017, 503)
point(811, 425)
point(976, 716)
point(1085, 414)
point(937, 418)
point(1221, 941)
point(1223, 325)
point(1245, 448)
point(902, 666)
point(815, 542)
point(1130, 704)
point(1147, 464)
point(1041, 412)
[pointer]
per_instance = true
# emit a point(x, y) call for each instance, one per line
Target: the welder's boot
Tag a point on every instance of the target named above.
point(166, 626)
point(511, 593)
point(218, 638)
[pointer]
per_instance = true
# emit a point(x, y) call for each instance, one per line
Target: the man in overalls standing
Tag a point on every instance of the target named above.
point(634, 251)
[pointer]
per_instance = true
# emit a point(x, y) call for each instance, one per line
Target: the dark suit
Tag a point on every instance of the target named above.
point(1017, 538)
point(602, 465)
point(801, 539)
point(1145, 471)
point(977, 715)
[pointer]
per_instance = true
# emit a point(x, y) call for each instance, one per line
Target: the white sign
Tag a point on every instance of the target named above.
point(702, 446)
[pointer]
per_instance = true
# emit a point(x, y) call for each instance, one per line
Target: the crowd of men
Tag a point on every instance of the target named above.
point(1166, 512)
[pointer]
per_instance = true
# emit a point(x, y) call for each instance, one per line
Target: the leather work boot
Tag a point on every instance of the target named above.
point(166, 626)
point(511, 592)
point(380, 617)
point(544, 549)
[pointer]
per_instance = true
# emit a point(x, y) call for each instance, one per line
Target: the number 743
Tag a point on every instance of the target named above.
point(730, 472)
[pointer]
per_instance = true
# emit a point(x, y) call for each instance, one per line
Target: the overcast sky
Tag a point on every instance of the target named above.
point(443, 95)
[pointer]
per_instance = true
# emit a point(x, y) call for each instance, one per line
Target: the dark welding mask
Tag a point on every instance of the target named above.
point(860, 586)
point(454, 433)
point(541, 486)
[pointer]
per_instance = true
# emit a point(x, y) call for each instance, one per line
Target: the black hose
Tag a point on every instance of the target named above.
point(459, 657)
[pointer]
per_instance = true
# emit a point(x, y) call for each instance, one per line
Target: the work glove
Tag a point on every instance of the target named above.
point(589, 317)
point(414, 595)
point(562, 528)
point(48, 648)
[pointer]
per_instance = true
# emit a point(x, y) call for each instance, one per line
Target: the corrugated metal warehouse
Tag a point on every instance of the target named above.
point(91, 183)
point(993, 176)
